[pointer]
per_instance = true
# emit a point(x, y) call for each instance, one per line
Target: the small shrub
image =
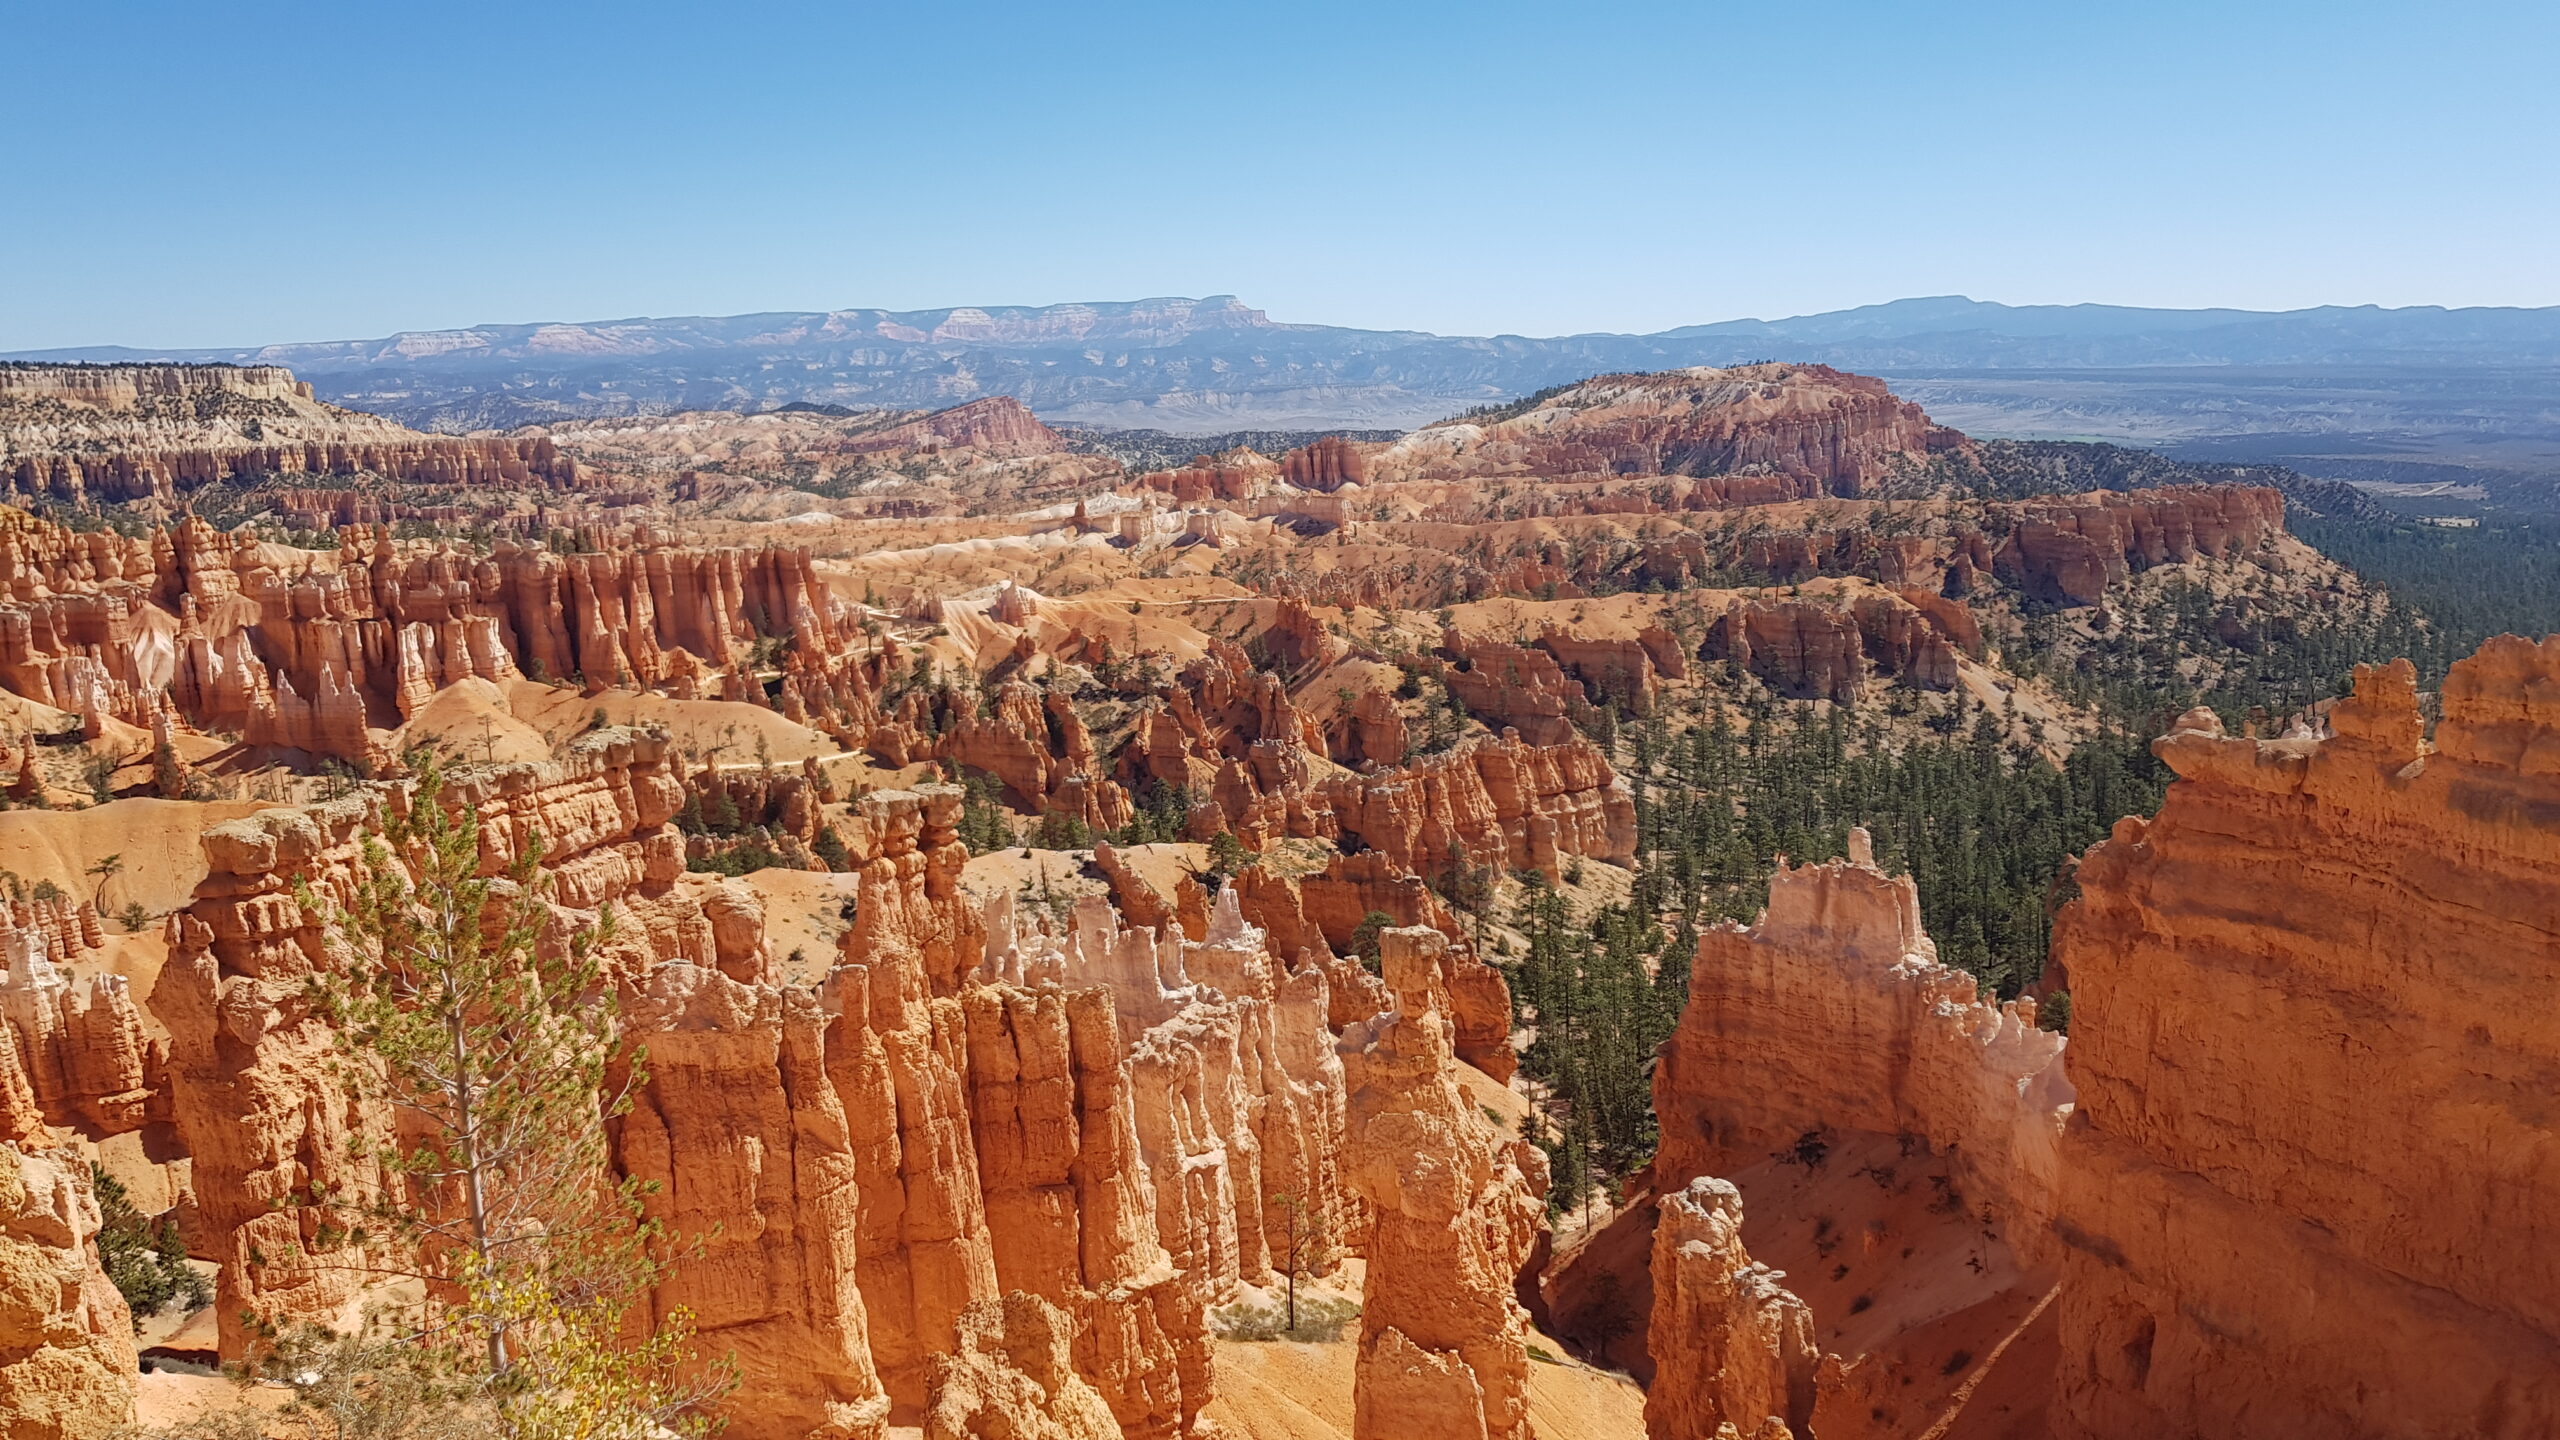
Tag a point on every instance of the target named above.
point(1320, 1319)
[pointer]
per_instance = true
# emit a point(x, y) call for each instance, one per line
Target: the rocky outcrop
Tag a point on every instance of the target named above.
point(2072, 548)
point(1628, 672)
point(1733, 1349)
point(1829, 642)
point(1235, 474)
point(1069, 1200)
point(1818, 430)
point(1454, 1211)
point(1511, 687)
point(996, 425)
point(1328, 463)
point(1009, 1378)
point(1832, 1014)
point(1502, 803)
point(2306, 1186)
point(73, 1053)
point(309, 658)
point(1825, 1055)
point(251, 1087)
point(127, 432)
point(66, 1339)
point(750, 1150)
point(898, 1054)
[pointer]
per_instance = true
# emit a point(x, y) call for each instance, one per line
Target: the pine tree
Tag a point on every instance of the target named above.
point(493, 1040)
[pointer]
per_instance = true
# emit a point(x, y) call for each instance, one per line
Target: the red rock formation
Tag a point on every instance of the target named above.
point(72, 1054)
point(1628, 671)
point(1470, 995)
point(1371, 731)
point(996, 425)
point(66, 1339)
point(1831, 1013)
point(1800, 648)
point(309, 660)
point(897, 1053)
point(2074, 546)
point(1511, 686)
point(1500, 803)
point(1454, 1210)
point(1825, 432)
point(1829, 644)
point(1327, 463)
point(1236, 474)
point(1828, 1029)
point(2307, 1186)
point(1009, 1378)
point(132, 432)
point(752, 1152)
point(249, 1062)
point(1733, 1350)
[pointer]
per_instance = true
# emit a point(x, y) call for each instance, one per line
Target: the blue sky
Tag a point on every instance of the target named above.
point(197, 175)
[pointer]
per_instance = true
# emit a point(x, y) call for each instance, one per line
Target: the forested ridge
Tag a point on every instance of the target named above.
point(1988, 827)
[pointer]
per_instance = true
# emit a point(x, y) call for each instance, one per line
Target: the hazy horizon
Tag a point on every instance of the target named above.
point(1276, 319)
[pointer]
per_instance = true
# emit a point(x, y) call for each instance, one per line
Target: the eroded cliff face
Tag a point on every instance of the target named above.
point(1897, 1139)
point(2308, 1185)
point(252, 1087)
point(126, 432)
point(1454, 1212)
point(66, 1340)
point(1009, 1378)
point(73, 1053)
point(1733, 1349)
point(309, 658)
point(1831, 1013)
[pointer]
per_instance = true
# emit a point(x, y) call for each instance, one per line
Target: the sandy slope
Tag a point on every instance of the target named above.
point(1283, 1390)
point(158, 839)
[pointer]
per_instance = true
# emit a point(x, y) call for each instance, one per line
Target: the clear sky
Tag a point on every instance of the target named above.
point(195, 174)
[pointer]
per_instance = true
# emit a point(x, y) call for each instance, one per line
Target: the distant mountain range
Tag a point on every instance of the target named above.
point(2462, 400)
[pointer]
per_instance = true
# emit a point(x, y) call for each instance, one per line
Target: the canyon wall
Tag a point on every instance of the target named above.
point(312, 657)
point(1120, 1123)
point(1832, 1013)
point(131, 432)
point(2308, 1186)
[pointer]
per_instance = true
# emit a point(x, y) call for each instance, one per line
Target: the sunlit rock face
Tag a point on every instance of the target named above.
point(2309, 1185)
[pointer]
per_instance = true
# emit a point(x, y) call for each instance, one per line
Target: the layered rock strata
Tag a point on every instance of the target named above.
point(1832, 1013)
point(1009, 1378)
point(310, 658)
point(2307, 1187)
point(1811, 429)
point(128, 432)
point(252, 1089)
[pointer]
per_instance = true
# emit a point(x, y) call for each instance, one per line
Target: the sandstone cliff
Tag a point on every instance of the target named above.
point(1454, 1212)
point(125, 432)
point(1010, 1380)
point(311, 658)
point(66, 1339)
point(1733, 1349)
point(2306, 1188)
point(1832, 1013)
